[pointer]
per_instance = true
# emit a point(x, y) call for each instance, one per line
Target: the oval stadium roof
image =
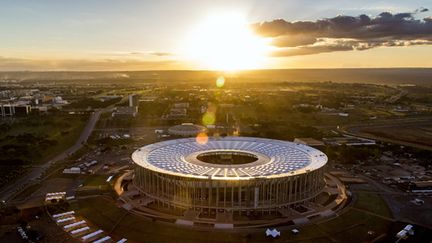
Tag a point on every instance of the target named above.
point(275, 158)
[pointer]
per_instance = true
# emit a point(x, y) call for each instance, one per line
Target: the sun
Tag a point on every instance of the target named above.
point(226, 42)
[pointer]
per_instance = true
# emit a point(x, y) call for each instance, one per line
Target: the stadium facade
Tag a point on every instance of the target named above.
point(233, 174)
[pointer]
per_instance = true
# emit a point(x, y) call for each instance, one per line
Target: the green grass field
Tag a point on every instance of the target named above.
point(62, 129)
point(96, 180)
point(373, 203)
point(35, 139)
point(352, 224)
point(105, 214)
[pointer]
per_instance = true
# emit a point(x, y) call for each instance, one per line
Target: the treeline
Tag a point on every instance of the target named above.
point(351, 154)
point(10, 169)
point(24, 145)
point(90, 102)
point(285, 131)
point(19, 151)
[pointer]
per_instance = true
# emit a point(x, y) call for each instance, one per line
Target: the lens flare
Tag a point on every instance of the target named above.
point(209, 118)
point(220, 82)
point(201, 138)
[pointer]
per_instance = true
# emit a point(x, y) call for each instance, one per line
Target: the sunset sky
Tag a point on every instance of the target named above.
point(189, 34)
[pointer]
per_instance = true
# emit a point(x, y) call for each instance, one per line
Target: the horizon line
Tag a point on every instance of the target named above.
point(210, 70)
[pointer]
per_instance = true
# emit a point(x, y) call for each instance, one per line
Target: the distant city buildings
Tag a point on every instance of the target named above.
point(14, 110)
point(109, 97)
point(59, 101)
point(133, 100)
point(125, 111)
point(178, 111)
point(21, 102)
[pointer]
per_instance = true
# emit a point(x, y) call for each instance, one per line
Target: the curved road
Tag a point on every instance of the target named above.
point(8, 191)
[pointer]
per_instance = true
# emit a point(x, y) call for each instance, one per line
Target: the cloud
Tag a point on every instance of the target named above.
point(293, 40)
point(421, 10)
point(343, 33)
point(160, 54)
point(137, 53)
point(151, 53)
point(308, 50)
point(21, 64)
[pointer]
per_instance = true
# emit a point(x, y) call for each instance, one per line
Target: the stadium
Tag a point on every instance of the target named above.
point(186, 130)
point(229, 174)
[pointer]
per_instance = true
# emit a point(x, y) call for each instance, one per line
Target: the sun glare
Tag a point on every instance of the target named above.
point(226, 42)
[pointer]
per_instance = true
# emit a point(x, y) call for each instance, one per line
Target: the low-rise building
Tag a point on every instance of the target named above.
point(14, 110)
point(72, 170)
point(125, 111)
point(348, 140)
point(309, 141)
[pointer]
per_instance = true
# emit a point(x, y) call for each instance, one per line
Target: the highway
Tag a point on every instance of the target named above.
point(357, 130)
point(8, 191)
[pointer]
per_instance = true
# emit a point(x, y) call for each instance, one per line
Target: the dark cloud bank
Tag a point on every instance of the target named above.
point(344, 33)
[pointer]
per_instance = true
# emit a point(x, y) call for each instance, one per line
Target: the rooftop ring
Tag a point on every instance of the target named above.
point(271, 158)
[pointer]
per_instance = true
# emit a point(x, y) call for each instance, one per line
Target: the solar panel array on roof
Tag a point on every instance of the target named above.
point(281, 157)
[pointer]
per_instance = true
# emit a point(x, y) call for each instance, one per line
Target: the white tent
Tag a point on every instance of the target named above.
point(273, 232)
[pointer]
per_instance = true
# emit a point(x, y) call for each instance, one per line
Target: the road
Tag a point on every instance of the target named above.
point(357, 130)
point(8, 191)
point(400, 203)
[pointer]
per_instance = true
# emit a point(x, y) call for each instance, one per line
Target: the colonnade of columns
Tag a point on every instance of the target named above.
point(229, 195)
